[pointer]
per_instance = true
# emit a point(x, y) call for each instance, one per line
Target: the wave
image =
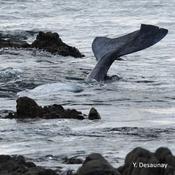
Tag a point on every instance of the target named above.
point(9, 73)
point(52, 89)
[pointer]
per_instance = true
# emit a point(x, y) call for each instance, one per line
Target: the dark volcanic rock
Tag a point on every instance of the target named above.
point(51, 42)
point(152, 161)
point(28, 108)
point(164, 155)
point(16, 165)
point(95, 164)
point(137, 156)
point(93, 114)
point(57, 111)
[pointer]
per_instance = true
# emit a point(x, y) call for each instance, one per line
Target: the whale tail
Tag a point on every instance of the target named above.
point(107, 50)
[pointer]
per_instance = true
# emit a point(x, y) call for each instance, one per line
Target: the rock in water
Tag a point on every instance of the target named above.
point(27, 108)
point(95, 164)
point(57, 111)
point(51, 42)
point(164, 155)
point(93, 114)
point(16, 165)
point(137, 156)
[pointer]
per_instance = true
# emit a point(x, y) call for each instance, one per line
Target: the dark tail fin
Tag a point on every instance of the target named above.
point(106, 50)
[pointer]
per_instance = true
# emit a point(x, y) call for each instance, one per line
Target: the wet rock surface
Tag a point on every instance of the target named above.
point(143, 162)
point(50, 42)
point(137, 162)
point(28, 108)
point(17, 165)
point(93, 114)
point(96, 164)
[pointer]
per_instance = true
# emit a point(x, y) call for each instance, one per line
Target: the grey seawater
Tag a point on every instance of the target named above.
point(137, 110)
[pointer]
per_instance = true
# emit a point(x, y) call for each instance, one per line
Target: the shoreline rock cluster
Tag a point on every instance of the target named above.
point(96, 164)
point(137, 162)
point(143, 162)
point(27, 108)
point(17, 165)
point(50, 42)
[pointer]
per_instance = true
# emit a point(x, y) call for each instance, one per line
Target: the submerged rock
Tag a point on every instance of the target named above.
point(96, 164)
point(50, 42)
point(93, 114)
point(28, 108)
point(17, 165)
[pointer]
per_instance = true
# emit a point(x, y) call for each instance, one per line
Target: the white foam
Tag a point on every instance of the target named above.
point(9, 72)
point(47, 90)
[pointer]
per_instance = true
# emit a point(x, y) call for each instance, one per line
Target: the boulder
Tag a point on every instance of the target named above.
point(27, 108)
point(17, 165)
point(96, 164)
point(93, 114)
point(57, 111)
point(137, 157)
point(52, 43)
point(163, 154)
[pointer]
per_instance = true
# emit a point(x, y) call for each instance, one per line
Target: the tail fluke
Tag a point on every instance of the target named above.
point(107, 50)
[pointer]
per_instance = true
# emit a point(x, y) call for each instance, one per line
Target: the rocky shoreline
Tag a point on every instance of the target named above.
point(17, 165)
point(137, 162)
point(48, 41)
point(27, 108)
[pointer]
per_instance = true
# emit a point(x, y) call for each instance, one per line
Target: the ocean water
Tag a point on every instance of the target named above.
point(137, 110)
